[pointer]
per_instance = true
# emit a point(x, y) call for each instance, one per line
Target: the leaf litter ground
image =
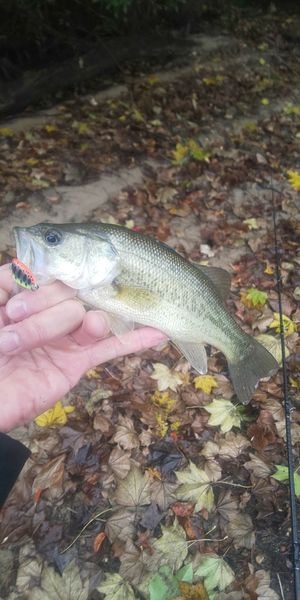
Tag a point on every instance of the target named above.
point(158, 485)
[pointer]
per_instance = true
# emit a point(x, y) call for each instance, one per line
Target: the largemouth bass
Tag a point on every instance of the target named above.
point(140, 280)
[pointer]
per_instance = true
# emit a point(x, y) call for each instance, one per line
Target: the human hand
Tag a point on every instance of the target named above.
point(47, 342)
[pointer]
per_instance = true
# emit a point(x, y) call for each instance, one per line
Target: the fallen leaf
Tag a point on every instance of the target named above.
point(251, 224)
point(232, 445)
point(257, 466)
point(196, 487)
point(289, 326)
point(172, 546)
point(215, 571)
point(98, 541)
point(224, 413)
point(134, 490)
point(133, 563)
point(125, 435)
point(282, 474)
point(120, 526)
point(54, 416)
point(254, 298)
point(55, 587)
point(240, 528)
point(192, 591)
point(164, 584)
point(180, 153)
point(165, 377)
point(114, 587)
point(294, 179)
point(119, 462)
point(273, 344)
point(50, 477)
point(206, 383)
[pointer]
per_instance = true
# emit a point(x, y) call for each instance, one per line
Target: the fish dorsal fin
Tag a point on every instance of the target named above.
point(219, 277)
point(194, 353)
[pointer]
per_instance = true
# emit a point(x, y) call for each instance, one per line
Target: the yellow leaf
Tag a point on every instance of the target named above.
point(6, 132)
point(54, 416)
point(163, 425)
point(83, 128)
point(92, 374)
point(50, 128)
point(197, 152)
point(263, 47)
point(265, 101)
point(137, 115)
point(251, 223)
point(294, 179)
point(292, 109)
point(206, 383)
point(32, 162)
point(152, 79)
point(262, 61)
point(289, 326)
point(269, 270)
point(273, 344)
point(180, 153)
point(163, 400)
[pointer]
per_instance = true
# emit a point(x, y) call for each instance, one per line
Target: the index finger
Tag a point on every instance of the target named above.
point(27, 302)
point(6, 283)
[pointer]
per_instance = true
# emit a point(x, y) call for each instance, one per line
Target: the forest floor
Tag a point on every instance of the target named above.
point(158, 484)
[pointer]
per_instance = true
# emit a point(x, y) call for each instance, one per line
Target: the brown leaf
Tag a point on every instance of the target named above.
point(98, 541)
point(257, 467)
point(119, 462)
point(232, 445)
point(192, 591)
point(50, 477)
point(240, 528)
point(125, 434)
point(183, 509)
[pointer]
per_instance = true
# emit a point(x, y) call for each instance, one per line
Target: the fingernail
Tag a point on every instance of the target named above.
point(16, 309)
point(9, 340)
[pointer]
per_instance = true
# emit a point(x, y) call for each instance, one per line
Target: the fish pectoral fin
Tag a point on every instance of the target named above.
point(119, 326)
point(219, 277)
point(135, 297)
point(194, 353)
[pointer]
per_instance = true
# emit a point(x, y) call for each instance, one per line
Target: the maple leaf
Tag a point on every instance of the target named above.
point(125, 435)
point(6, 132)
point(240, 528)
point(180, 153)
point(215, 571)
point(164, 584)
point(134, 490)
point(114, 587)
point(294, 179)
point(257, 466)
point(288, 326)
point(224, 413)
point(192, 591)
point(232, 445)
point(196, 487)
point(172, 546)
point(206, 383)
point(254, 298)
point(197, 152)
point(133, 563)
point(165, 377)
point(120, 526)
point(273, 344)
point(68, 585)
point(119, 462)
point(251, 223)
point(282, 474)
point(54, 416)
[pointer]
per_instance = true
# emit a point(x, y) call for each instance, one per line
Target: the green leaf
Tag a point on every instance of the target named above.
point(282, 474)
point(254, 298)
point(116, 588)
point(172, 546)
point(224, 413)
point(216, 572)
point(196, 487)
point(164, 585)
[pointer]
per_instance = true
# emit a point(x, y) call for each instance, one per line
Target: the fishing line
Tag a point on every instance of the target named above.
point(288, 409)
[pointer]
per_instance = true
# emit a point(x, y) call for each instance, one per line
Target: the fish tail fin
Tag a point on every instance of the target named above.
point(249, 368)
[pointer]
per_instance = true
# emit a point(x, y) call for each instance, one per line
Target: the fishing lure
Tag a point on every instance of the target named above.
point(23, 276)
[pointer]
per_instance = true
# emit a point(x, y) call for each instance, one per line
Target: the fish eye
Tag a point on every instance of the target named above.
point(53, 237)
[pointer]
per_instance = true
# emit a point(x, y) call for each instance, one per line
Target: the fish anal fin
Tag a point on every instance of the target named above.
point(194, 353)
point(219, 277)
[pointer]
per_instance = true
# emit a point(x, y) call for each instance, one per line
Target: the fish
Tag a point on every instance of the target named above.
point(139, 280)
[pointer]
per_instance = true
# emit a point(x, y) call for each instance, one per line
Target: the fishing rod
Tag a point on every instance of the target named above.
point(288, 409)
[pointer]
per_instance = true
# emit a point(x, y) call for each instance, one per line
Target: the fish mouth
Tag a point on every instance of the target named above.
point(23, 246)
